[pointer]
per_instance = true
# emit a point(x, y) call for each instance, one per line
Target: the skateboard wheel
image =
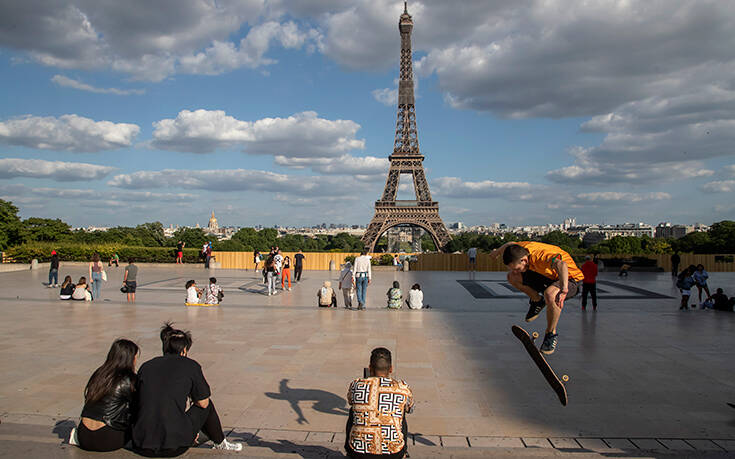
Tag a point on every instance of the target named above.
point(565, 378)
point(535, 335)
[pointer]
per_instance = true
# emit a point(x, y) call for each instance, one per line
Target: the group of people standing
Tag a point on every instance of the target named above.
point(276, 265)
point(697, 276)
point(89, 288)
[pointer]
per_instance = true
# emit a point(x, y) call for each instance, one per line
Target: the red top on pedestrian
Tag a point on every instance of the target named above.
point(589, 269)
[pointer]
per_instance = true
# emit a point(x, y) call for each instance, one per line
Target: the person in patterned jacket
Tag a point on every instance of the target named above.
point(376, 426)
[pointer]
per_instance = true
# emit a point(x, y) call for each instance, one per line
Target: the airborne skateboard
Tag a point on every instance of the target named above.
point(541, 363)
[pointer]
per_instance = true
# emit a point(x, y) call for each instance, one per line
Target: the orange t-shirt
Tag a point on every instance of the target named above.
point(543, 256)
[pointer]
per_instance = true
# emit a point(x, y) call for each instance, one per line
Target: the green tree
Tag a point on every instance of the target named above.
point(151, 234)
point(561, 239)
point(46, 229)
point(11, 228)
point(193, 237)
point(722, 236)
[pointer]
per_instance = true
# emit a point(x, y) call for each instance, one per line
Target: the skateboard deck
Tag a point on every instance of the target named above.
point(541, 363)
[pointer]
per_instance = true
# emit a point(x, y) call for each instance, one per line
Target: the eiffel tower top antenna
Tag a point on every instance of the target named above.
point(406, 139)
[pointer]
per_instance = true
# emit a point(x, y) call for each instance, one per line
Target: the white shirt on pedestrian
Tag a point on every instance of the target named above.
point(362, 265)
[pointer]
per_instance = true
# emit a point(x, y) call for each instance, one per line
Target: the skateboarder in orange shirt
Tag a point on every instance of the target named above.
point(545, 273)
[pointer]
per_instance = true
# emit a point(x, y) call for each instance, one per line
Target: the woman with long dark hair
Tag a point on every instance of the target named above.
point(106, 416)
point(95, 275)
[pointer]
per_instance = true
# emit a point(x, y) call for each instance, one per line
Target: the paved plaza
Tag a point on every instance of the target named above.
point(645, 378)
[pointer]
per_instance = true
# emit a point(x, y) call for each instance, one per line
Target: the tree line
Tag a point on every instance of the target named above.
point(15, 232)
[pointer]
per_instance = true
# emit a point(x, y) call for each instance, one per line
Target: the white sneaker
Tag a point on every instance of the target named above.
point(50, 286)
point(269, 294)
point(73, 440)
point(289, 289)
point(228, 445)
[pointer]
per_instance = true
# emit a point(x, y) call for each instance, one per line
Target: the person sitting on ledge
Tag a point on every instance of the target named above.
point(108, 398)
point(193, 293)
point(164, 427)
point(214, 292)
point(67, 288)
point(327, 296)
point(81, 291)
point(395, 296)
point(376, 424)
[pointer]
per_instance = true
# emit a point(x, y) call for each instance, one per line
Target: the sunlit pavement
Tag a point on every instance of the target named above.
point(644, 376)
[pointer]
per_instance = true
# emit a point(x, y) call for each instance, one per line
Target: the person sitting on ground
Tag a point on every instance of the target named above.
point(193, 294)
point(395, 296)
point(722, 302)
point(416, 298)
point(684, 282)
point(624, 270)
point(376, 425)
point(67, 288)
point(327, 296)
point(81, 291)
point(108, 401)
point(700, 277)
point(163, 426)
point(214, 292)
point(114, 260)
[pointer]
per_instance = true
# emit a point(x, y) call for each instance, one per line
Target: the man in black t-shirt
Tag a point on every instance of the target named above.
point(298, 265)
point(164, 427)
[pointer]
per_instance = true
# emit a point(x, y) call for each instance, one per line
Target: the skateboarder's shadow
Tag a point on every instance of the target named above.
point(324, 402)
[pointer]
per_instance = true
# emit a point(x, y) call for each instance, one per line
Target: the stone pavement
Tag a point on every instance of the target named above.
point(646, 379)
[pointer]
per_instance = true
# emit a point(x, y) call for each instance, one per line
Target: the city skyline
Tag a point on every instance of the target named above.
point(282, 112)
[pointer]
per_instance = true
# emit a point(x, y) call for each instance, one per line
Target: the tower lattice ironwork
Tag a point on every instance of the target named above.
point(406, 159)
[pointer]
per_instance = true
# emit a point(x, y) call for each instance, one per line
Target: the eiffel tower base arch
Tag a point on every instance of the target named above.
point(426, 218)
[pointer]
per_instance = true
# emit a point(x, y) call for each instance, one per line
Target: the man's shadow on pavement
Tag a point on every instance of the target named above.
point(325, 402)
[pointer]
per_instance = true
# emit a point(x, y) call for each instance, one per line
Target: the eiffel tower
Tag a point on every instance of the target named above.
point(406, 159)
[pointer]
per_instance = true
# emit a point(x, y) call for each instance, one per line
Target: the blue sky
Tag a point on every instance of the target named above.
point(281, 111)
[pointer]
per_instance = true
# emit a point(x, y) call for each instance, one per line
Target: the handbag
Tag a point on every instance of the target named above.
point(220, 295)
point(104, 275)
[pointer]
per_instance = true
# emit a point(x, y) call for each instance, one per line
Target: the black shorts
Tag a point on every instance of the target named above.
point(131, 286)
point(540, 283)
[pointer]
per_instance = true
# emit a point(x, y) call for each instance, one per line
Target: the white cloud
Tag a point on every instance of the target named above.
point(342, 165)
point(67, 132)
point(299, 135)
point(114, 196)
point(62, 80)
point(149, 41)
point(455, 187)
point(230, 180)
point(720, 186)
point(614, 170)
point(54, 170)
point(616, 196)
point(730, 169)
point(386, 96)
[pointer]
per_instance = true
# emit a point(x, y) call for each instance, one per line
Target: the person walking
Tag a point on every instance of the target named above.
point(700, 277)
point(347, 284)
point(53, 270)
point(270, 275)
point(180, 252)
point(298, 265)
point(257, 258)
point(589, 284)
point(207, 254)
point(130, 279)
point(362, 275)
point(675, 260)
point(96, 272)
point(286, 273)
point(472, 255)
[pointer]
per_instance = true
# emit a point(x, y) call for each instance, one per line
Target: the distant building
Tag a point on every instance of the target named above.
point(213, 226)
point(667, 230)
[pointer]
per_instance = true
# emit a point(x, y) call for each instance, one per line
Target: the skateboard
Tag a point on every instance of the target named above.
point(541, 363)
